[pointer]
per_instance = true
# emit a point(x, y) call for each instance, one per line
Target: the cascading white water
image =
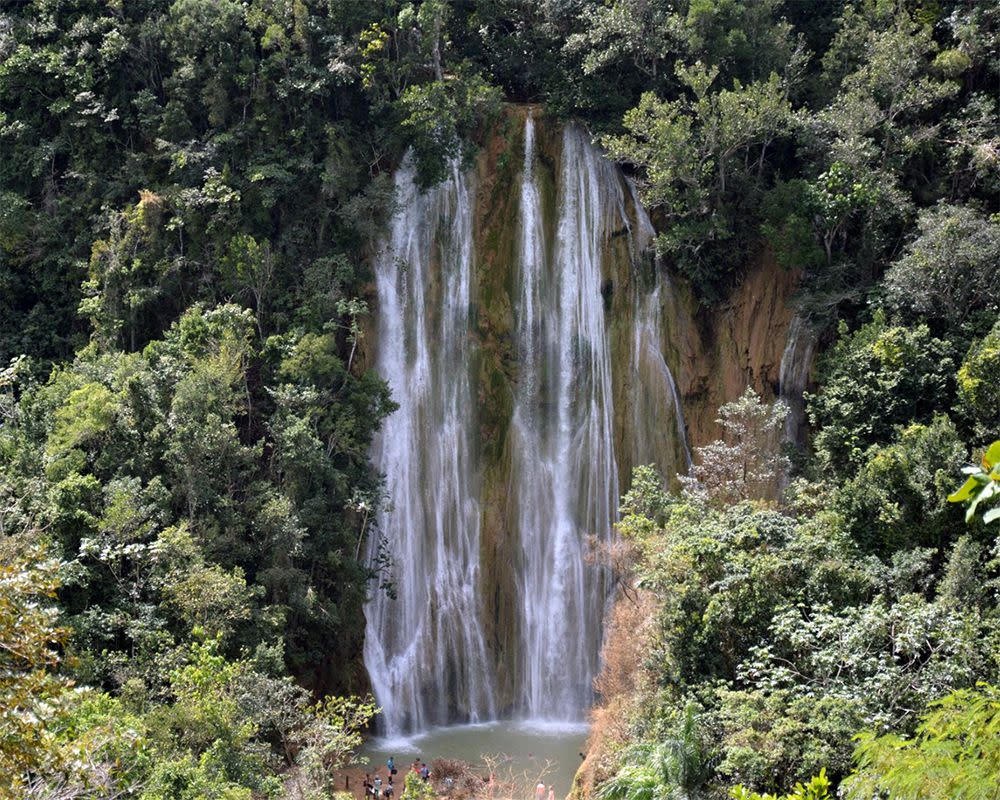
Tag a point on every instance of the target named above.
point(793, 377)
point(655, 399)
point(425, 651)
point(564, 474)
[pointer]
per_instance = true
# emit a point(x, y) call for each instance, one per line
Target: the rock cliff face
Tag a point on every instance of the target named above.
point(583, 358)
point(719, 351)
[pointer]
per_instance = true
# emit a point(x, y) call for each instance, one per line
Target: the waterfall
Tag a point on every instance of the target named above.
point(793, 377)
point(655, 398)
point(425, 651)
point(564, 473)
point(523, 637)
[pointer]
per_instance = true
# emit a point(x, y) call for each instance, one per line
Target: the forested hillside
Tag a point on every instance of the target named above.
point(191, 197)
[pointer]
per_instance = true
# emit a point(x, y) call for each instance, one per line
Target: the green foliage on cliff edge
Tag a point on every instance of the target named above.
point(164, 152)
point(832, 636)
point(822, 127)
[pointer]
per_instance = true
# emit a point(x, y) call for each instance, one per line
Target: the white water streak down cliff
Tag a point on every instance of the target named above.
point(424, 651)
point(793, 377)
point(564, 474)
point(655, 398)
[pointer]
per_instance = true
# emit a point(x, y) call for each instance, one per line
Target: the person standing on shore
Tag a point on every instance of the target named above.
point(540, 791)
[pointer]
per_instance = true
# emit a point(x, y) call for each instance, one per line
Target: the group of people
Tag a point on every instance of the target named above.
point(540, 792)
point(377, 791)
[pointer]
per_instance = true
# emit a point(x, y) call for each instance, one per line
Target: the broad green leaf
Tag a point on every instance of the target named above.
point(985, 493)
point(965, 492)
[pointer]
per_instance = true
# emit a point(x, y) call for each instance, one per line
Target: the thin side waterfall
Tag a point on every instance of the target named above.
point(793, 377)
point(425, 651)
point(564, 475)
point(656, 398)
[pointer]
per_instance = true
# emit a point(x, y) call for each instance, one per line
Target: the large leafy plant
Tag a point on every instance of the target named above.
point(982, 486)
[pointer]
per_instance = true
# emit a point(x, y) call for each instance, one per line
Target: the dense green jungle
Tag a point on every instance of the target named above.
point(193, 527)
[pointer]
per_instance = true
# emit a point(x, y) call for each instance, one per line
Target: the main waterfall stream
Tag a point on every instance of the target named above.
point(565, 478)
point(498, 609)
point(425, 648)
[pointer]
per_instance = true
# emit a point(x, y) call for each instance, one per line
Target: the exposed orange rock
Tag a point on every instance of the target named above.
point(720, 351)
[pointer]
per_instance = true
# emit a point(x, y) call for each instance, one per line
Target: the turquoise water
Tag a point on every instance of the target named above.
point(526, 751)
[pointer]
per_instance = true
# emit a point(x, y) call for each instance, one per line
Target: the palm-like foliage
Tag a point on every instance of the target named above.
point(673, 769)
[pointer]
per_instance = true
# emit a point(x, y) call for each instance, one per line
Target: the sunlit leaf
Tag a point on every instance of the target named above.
point(965, 492)
point(992, 456)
